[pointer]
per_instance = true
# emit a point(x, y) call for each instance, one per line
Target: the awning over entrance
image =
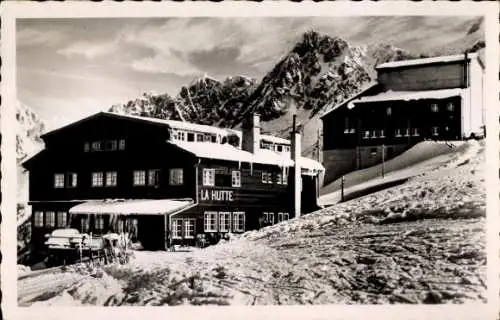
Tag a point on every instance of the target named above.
point(408, 96)
point(131, 207)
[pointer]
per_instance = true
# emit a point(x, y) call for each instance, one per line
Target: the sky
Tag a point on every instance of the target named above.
point(71, 68)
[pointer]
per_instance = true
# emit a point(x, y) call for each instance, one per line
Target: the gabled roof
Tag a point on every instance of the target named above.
point(408, 96)
point(424, 61)
point(228, 152)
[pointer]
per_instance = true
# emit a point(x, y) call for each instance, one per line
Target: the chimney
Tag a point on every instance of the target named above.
point(297, 171)
point(250, 139)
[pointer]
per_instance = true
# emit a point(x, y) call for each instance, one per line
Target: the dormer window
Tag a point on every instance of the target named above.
point(434, 107)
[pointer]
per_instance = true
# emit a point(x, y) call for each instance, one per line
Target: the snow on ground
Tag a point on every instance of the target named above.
point(419, 242)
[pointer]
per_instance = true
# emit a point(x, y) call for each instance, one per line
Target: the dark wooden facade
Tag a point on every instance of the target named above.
point(145, 148)
point(399, 124)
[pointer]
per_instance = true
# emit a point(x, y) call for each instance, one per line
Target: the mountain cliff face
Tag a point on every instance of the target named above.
point(29, 129)
point(319, 70)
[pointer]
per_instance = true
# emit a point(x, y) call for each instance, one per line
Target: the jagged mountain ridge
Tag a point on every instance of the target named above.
point(30, 128)
point(319, 71)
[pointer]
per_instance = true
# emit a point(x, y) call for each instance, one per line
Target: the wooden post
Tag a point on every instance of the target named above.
point(383, 160)
point(342, 182)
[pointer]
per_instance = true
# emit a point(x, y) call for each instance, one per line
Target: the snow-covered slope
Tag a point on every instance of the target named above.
point(420, 242)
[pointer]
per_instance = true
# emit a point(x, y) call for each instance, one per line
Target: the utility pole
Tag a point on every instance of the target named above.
point(383, 160)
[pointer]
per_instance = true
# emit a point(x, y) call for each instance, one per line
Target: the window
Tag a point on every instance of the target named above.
point(382, 133)
point(208, 177)
point(407, 132)
point(72, 180)
point(450, 106)
point(279, 148)
point(397, 133)
point(189, 228)
point(111, 177)
point(286, 216)
point(97, 179)
point(213, 138)
point(200, 137)
point(414, 132)
point(176, 177)
point(111, 145)
point(38, 221)
point(99, 222)
point(121, 144)
point(236, 178)
point(58, 180)
point(278, 178)
point(287, 149)
point(373, 152)
point(366, 134)
point(264, 177)
point(181, 135)
point(62, 219)
point(374, 134)
point(96, 146)
point(239, 221)
point(154, 177)
point(176, 229)
point(210, 222)
point(285, 178)
point(190, 136)
point(269, 177)
point(224, 221)
point(269, 217)
point(50, 219)
point(139, 178)
point(85, 224)
point(86, 147)
point(388, 111)
point(434, 107)
point(435, 131)
point(280, 216)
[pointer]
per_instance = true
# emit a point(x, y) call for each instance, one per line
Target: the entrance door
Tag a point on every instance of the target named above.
point(151, 232)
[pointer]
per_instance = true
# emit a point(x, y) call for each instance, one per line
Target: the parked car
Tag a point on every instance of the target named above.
point(62, 239)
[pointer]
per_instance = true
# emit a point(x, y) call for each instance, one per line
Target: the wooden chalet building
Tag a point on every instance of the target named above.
point(437, 98)
point(161, 178)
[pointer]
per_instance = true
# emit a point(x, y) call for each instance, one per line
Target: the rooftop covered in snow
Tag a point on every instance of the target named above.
point(424, 61)
point(408, 96)
point(126, 207)
point(228, 152)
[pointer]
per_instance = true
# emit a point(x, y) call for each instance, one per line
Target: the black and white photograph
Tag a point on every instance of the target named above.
point(229, 160)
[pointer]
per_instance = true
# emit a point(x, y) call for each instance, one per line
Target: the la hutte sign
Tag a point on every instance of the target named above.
point(216, 195)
